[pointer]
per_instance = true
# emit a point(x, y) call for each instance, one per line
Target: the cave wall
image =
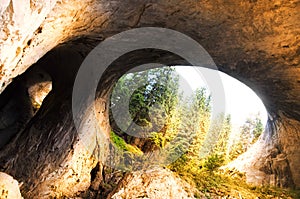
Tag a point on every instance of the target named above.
point(256, 42)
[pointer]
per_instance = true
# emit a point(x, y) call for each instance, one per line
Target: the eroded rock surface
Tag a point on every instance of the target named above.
point(267, 162)
point(9, 187)
point(256, 42)
point(152, 183)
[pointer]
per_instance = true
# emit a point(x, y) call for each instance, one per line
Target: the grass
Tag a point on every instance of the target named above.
point(212, 184)
point(122, 145)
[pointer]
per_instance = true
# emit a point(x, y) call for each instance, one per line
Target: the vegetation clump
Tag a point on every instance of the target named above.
point(122, 145)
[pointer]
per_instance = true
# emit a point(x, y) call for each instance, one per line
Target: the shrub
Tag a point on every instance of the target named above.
point(213, 161)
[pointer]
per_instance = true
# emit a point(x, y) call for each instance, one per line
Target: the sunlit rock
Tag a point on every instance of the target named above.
point(153, 183)
point(9, 187)
point(256, 42)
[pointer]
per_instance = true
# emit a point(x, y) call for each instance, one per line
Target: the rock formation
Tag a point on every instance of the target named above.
point(254, 41)
point(152, 183)
point(19, 102)
point(9, 187)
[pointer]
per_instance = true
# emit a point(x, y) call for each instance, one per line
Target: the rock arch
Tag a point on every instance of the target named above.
point(256, 42)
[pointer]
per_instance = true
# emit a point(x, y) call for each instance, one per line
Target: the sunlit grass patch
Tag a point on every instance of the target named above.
point(122, 145)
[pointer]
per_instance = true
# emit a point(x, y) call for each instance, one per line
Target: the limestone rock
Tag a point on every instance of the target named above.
point(153, 183)
point(9, 187)
point(256, 42)
point(267, 162)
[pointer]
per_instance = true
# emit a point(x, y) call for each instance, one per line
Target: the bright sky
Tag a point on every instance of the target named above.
point(240, 101)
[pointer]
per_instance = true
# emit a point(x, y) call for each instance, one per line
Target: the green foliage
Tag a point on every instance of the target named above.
point(159, 139)
point(235, 150)
point(217, 138)
point(123, 146)
point(213, 162)
point(249, 134)
point(118, 141)
point(258, 129)
point(228, 184)
point(195, 121)
point(207, 150)
point(150, 105)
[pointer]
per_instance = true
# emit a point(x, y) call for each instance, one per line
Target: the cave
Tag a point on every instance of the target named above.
point(53, 153)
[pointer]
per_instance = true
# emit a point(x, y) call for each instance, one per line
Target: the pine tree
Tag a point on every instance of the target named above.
point(195, 121)
point(249, 134)
point(150, 105)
